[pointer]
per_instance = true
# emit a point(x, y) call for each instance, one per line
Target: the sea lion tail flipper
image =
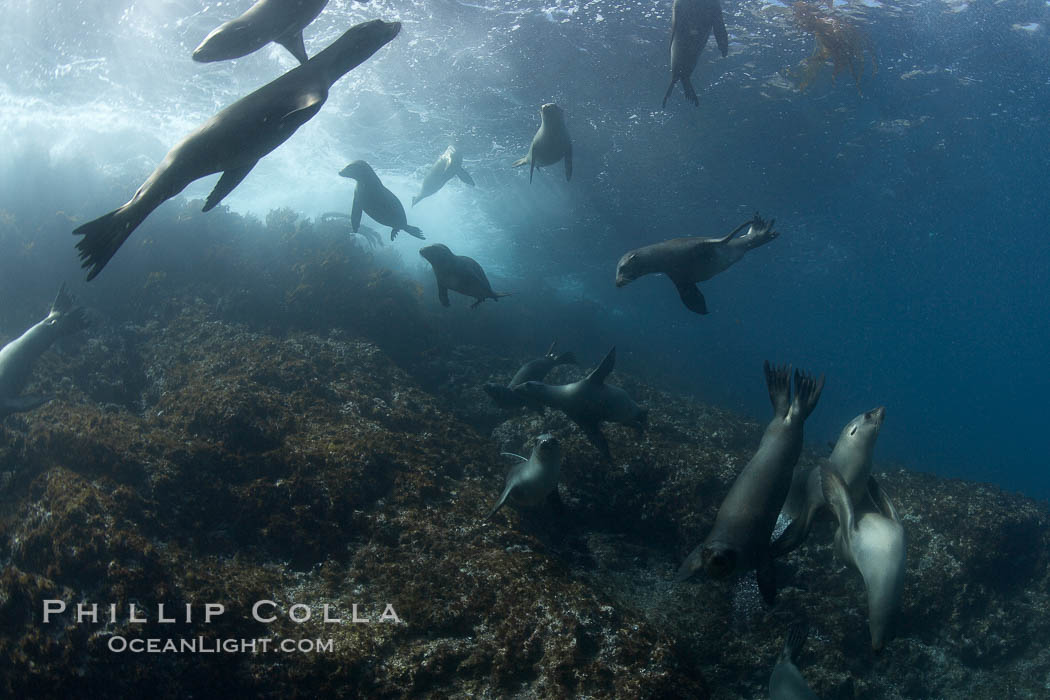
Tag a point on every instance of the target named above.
point(104, 236)
point(778, 381)
point(837, 498)
point(464, 176)
point(519, 162)
point(294, 44)
point(412, 231)
point(605, 368)
point(693, 563)
point(21, 404)
point(355, 213)
point(691, 296)
point(687, 87)
point(794, 641)
point(568, 163)
point(882, 500)
point(807, 393)
point(766, 577)
point(721, 35)
point(229, 180)
point(443, 295)
point(501, 501)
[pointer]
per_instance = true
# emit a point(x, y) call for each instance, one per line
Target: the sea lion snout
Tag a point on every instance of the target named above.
point(718, 560)
point(625, 273)
point(876, 415)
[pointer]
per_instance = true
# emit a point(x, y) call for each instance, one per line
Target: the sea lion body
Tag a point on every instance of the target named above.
point(590, 402)
point(739, 539)
point(373, 198)
point(692, 22)
point(786, 681)
point(532, 371)
point(851, 460)
point(536, 478)
point(551, 142)
point(871, 540)
point(458, 273)
point(234, 140)
point(18, 357)
point(447, 166)
point(687, 261)
point(280, 21)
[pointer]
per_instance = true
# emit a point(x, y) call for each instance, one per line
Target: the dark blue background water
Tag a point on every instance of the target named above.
point(913, 256)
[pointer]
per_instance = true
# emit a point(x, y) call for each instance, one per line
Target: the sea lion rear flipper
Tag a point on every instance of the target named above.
point(687, 87)
point(605, 368)
point(532, 169)
point(721, 36)
point(443, 295)
point(229, 180)
point(593, 431)
point(21, 404)
point(766, 577)
point(294, 44)
point(355, 214)
point(519, 162)
point(778, 381)
point(464, 176)
point(881, 500)
point(568, 163)
point(807, 393)
point(691, 296)
point(501, 501)
point(670, 89)
point(837, 498)
point(794, 641)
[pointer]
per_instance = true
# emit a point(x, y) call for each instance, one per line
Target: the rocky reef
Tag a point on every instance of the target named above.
point(235, 437)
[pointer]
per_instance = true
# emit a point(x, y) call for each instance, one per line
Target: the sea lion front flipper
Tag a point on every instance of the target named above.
point(881, 500)
point(229, 180)
point(837, 498)
point(557, 505)
point(721, 36)
point(412, 231)
point(21, 404)
point(568, 163)
point(443, 295)
point(464, 176)
point(503, 396)
point(532, 168)
point(502, 499)
point(605, 368)
point(766, 577)
point(513, 454)
point(355, 214)
point(294, 44)
point(593, 431)
point(693, 563)
point(691, 296)
point(789, 540)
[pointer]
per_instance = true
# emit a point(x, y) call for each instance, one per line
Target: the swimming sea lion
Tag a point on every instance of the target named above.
point(851, 460)
point(374, 199)
point(460, 274)
point(337, 218)
point(281, 21)
point(590, 402)
point(532, 481)
point(18, 357)
point(691, 25)
point(234, 140)
point(551, 142)
point(690, 260)
point(532, 371)
point(448, 164)
point(786, 682)
point(871, 539)
point(739, 540)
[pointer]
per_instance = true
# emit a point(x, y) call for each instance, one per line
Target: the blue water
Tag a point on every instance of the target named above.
point(913, 258)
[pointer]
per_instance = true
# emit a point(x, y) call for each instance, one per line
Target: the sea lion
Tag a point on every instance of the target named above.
point(851, 460)
point(281, 21)
point(590, 402)
point(871, 539)
point(535, 478)
point(532, 371)
point(460, 274)
point(786, 682)
point(234, 140)
point(551, 142)
point(690, 260)
point(330, 218)
point(374, 199)
point(448, 164)
point(739, 540)
point(18, 357)
point(691, 25)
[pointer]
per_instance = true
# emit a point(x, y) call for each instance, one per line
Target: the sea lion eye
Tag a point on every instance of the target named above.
point(853, 431)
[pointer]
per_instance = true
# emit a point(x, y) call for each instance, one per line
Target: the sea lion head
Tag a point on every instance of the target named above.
point(356, 169)
point(719, 559)
point(861, 432)
point(547, 449)
point(435, 253)
point(629, 268)
point(551, 111)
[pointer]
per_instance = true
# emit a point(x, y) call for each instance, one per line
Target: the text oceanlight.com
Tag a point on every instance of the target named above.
point(202, 645)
